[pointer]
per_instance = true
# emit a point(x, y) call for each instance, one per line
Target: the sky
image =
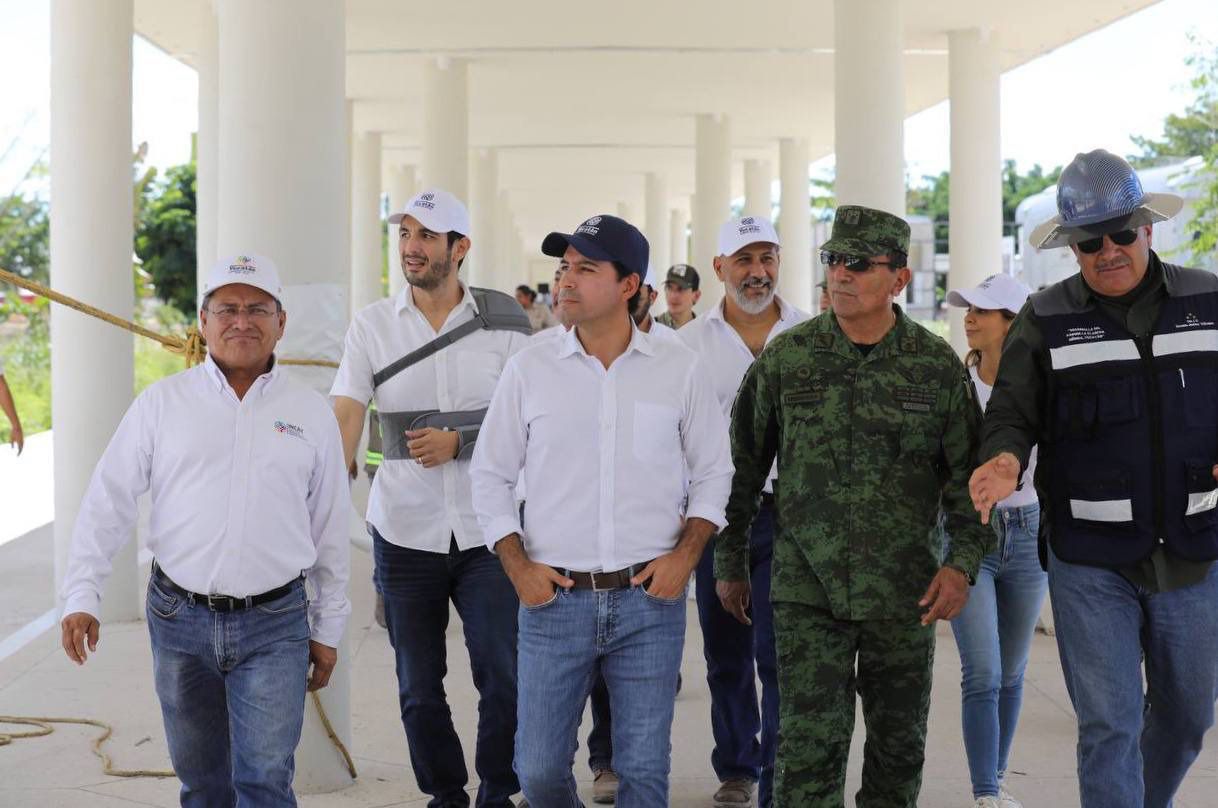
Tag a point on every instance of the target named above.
point(1043, 120)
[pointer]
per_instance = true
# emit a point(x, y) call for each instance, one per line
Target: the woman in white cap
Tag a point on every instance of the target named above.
point(994, 632)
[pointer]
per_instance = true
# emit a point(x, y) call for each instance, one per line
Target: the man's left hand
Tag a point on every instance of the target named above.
point(323, 659)
point(946, 596)
point(668, 574)
point(432, 447)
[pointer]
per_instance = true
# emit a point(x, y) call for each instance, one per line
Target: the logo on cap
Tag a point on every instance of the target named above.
point(679, 270)
point(425, 201)
point(747, 220)
point(244, 266)
point(590, 226)
point(851, 217)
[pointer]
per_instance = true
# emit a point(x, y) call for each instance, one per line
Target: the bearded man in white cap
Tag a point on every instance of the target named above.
point(249, 501)
point(431, 356)
point(1113, 375)
point(739, 647)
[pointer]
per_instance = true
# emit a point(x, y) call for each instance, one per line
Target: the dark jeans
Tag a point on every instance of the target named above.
point(417, 587)
point(600, 739)
point(736, 656)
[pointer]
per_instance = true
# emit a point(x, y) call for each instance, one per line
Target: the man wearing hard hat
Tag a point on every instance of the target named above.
point(1113, 372)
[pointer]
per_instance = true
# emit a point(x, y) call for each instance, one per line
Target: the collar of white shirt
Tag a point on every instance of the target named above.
point(569, 343)
point(221, 381)
point(405, 301)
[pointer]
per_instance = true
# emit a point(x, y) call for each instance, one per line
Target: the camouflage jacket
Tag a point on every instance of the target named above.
point(868, 450)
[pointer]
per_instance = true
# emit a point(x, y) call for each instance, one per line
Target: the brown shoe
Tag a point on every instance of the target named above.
point(604, 787)
point(734, 793)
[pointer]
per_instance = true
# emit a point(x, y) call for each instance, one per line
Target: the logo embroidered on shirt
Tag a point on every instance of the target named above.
point(284, 428)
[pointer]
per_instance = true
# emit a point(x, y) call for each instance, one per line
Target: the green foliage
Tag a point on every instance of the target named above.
point(27, 360)
point(25, 244)
point(1195, 131)
point(165, 237)
point(932, 197)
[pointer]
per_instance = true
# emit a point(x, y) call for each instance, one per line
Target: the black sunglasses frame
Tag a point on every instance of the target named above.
point(1122, 238)
point(853, 263)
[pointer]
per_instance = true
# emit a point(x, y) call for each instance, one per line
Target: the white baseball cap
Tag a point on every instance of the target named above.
point(252, 270)
point(437, 210)
point(743, 231)
point(995, 292)
point(650, 278)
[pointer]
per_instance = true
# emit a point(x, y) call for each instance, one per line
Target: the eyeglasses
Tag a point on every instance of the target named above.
point(1122, 238)
point(853, 263)
point(227, 314)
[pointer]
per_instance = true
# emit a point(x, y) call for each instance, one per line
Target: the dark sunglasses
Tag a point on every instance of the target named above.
point(853, 263)
point(1122, 238)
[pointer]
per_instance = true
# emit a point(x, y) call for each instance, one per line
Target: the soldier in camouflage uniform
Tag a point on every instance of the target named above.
point(873, 423)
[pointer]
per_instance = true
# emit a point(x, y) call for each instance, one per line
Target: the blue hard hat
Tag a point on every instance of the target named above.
point(1100, 193)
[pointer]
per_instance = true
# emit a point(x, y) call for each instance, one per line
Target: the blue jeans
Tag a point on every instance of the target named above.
point(632, 639)
point(1135, 746)
point(600, 738)
point(994, 635)
point(736, 656)
point(232, 692)
point(417, 587)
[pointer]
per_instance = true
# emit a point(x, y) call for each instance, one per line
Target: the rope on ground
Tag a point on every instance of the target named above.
point(44, 728)
point(44, 723)
point(192, 348)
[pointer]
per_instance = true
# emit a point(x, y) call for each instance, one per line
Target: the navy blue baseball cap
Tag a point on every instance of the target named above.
point(604, 238)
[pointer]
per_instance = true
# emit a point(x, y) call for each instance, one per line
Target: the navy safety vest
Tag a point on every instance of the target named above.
point(1131, 425)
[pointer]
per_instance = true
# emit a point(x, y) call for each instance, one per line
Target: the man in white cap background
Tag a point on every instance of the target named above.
point(431, 356)
point(641, 312)
point(994, 629)
point(740, 649)
point(249, 500)
point(603, 550)
point(1113, 375)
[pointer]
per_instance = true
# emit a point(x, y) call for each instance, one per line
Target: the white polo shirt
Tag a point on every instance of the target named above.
point(246, 494)
point(411, 506)
point(603, 453)
point(726, 357)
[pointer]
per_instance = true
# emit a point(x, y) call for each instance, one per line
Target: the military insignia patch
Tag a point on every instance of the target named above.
point(914, 399)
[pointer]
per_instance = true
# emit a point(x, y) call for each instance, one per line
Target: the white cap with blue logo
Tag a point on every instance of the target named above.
point(743, 231)
point(257, 271)
point(437, 210)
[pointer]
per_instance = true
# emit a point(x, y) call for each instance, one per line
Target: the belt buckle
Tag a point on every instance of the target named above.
point(597, 587)
point(212, 600)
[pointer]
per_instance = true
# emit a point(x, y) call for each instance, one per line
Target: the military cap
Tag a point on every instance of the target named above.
point(683, 275)
point(866, 231)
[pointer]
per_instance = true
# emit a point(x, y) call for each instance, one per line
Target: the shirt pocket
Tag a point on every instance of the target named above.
point(657, 432)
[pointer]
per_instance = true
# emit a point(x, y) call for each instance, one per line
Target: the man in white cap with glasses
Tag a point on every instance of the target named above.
point(249, 502)
point(739, 650)
point(1113, 374)
point(431, 357)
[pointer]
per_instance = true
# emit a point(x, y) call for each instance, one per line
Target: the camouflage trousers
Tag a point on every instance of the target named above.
point(822, 663)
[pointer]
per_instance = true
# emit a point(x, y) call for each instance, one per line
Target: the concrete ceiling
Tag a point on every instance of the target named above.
point(583, 100)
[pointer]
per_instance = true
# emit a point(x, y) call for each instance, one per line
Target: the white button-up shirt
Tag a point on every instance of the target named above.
point(603, 453)
point(246, 494)
point(726, 357)
point(411, 506)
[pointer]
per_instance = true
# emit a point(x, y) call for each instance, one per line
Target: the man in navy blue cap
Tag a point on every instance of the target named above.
point(605, 424)
point(1113, 373)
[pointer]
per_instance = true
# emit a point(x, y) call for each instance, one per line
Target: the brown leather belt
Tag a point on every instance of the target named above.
point(605, 581)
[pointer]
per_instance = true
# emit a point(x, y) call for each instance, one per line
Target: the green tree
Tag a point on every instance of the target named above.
point(1195, 131)
point(165, 236)
point(25, 228)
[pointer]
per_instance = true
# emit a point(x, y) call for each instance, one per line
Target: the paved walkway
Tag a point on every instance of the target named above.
point(116, 686)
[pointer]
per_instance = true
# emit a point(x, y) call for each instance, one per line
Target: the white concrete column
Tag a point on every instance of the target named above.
point(678, 238)
point(656, 226)
point(758, 200)
point(713, 181)
point(869, 104)
point(92, 366)
point(483, 260)
point(975, 206)
point(795, 279)
point(284, 183)
point(366, 268)
point(446, 126)
point(207, 153)
point(505, 275)
point(402, 187)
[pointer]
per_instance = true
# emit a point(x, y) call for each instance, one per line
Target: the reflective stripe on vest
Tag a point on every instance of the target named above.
point(1185, 342)
point(1092, 353)
point(1110, 510)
